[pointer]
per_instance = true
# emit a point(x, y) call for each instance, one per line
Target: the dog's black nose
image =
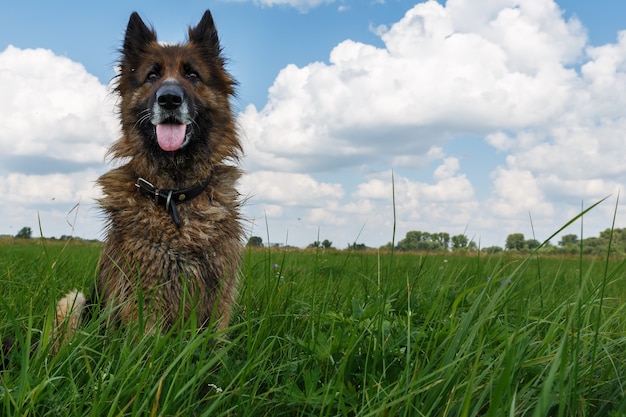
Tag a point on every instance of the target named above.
point(170, 96)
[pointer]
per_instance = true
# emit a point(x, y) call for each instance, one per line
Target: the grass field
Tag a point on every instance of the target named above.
point(333, 334)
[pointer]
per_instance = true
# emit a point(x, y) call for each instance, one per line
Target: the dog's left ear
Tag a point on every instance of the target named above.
point(205, 33)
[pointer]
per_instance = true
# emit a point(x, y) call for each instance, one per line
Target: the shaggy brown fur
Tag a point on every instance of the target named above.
point(149, 261)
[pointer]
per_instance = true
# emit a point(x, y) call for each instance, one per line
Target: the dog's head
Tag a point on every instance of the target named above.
point(175, 99)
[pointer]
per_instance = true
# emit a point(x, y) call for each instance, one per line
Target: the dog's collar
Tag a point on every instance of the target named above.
point(170, 198)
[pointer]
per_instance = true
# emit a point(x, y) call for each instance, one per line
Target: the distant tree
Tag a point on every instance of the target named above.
point(595, 245)
point(327, 244)
point(617, 238)
point(567, 240)
point(24, 233)
point(459, 242)
point(408, 243)
point(418, 240)
point(387, 246)
point(515, 241)
point(492, 249)
point(411, 241)
point(443, 239)
point(613, 237)
point(357, 246)
point(315, 244)
point(255, 241)
point(532, 244)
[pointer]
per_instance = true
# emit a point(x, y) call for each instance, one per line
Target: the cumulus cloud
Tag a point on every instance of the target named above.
point(446, 203)
point(431, 81)
point(516, 73)
point(446, 198)
point(57, 123)
point(289, 189)
point(45, 189)
point(52, 107)
point(524, 197)
point(321, 151)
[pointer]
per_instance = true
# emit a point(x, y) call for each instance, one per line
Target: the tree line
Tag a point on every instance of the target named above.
point(613, 239)
point(420, 241)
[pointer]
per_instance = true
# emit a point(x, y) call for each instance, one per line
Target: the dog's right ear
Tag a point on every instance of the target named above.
point(138, 35)
point(206, 34)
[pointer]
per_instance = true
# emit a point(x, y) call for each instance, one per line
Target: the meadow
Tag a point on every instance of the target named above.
point(332, 333)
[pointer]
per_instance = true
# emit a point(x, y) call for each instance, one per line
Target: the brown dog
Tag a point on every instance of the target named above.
point(173, 236)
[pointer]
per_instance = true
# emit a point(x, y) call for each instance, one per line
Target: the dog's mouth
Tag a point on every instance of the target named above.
point(171, 135)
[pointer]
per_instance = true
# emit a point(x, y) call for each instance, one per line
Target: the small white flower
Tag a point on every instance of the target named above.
point(216, 388)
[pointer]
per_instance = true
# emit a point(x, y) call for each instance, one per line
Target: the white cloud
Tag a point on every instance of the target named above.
point(57, 123)
point(327, 216)
point(449, 187)
point(446, 204)
point(429, 83)
point(289, 189)
point(517, 192)
point(514, 72)
point(531, 33)
point(52, 107)
point(45, 189)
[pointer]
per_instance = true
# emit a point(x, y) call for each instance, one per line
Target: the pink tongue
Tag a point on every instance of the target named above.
point(170, 136)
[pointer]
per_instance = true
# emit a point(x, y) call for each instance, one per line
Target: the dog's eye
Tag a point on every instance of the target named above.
point(190, 73)
point(192, 76)
point(152, 77)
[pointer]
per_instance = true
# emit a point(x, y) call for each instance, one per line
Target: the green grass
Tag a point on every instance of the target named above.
point(334, 334)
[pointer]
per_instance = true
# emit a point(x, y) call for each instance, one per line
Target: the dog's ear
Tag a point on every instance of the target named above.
point(206, 34)
point(138, 35)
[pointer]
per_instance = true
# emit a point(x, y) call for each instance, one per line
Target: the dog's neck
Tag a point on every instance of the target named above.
point(169, 198)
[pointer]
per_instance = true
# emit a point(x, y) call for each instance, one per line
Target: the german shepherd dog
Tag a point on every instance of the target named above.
point(173, 232)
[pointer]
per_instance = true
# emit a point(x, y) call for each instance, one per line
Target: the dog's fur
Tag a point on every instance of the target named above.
point(152, 267)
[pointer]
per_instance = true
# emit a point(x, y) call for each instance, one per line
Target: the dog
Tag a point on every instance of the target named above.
point(173, 224)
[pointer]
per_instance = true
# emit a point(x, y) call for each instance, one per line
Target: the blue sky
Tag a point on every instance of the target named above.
point(259, 40)
point(322, 124)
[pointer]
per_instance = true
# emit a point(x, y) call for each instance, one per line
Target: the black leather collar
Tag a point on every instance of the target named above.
point(170, 198)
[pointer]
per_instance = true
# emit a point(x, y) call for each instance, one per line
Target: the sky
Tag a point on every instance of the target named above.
point(358, 117)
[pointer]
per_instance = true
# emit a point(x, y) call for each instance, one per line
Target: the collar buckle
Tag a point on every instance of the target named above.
point(170, 198)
